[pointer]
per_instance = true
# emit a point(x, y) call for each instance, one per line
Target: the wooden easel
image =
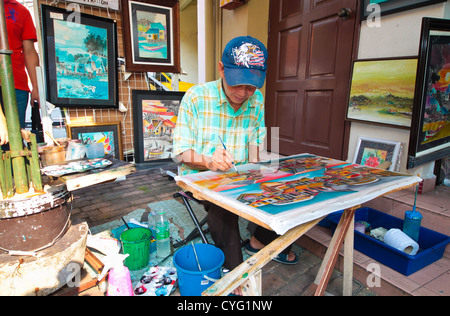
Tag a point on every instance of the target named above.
point(248, 274)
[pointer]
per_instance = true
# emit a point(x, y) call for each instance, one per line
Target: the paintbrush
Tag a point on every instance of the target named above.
point(234, 165)
point(196, 258)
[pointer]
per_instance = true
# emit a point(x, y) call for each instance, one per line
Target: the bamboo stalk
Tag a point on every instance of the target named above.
point(10, 105)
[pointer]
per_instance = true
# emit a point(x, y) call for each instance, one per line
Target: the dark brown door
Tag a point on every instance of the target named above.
point(310, 49)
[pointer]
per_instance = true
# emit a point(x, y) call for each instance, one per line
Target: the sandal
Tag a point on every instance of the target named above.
point(281, 258)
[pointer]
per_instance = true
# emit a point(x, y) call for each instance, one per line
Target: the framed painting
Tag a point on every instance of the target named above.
point(377, 153)
point(107, 133)
point(81, 59)
point(393, 6)
point(430, 128)
point(154, 116)
point(151, 32)
point(382, 91)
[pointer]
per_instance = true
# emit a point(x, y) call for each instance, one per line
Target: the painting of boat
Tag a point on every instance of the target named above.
point(153, 48)
point(152, 35)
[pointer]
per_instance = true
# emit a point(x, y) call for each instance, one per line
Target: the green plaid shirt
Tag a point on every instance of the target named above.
point(205, 114)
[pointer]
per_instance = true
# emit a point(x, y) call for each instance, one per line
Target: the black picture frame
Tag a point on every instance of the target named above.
point(154, 118)
point(78, 73)
point(101, 132)
point(430, 125)
point(151, 32)
point(394, 6)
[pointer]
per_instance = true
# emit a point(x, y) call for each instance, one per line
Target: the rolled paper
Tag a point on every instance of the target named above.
point(400, 241)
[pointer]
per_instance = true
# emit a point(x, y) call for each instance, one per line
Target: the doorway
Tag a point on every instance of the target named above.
point(311, 45)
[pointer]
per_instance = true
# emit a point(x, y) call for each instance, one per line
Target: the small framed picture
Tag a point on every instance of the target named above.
point(107, 133)
point(377, 153)
point(151, 34)
point(155, 114)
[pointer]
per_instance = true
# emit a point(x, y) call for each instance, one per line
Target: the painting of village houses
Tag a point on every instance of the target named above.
point(152, 35)
point(293, 182)
point(159, 119)
point(81, 61)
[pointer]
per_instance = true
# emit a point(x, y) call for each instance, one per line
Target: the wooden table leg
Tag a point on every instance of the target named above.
point(250, 268)
point(329, 261)
point(348, 258)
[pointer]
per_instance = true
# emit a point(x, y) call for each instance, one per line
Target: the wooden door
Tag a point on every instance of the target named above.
point(310, 49)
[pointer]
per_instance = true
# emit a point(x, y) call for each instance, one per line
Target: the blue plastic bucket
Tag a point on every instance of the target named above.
point(191, 280)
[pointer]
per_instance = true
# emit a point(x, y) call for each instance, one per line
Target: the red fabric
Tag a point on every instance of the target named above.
point(20, 27)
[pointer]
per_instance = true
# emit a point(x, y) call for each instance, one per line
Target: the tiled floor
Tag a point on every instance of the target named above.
point(103, 203)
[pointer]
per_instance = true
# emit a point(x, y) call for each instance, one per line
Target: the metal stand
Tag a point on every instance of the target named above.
point(198, 230)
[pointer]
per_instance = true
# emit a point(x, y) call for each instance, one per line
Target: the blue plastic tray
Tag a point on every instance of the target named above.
point(432, 244)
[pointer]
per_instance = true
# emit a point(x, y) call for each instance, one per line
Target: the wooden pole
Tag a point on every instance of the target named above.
point(11, 111)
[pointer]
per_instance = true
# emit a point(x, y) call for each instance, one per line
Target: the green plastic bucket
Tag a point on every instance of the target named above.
point(136, 242)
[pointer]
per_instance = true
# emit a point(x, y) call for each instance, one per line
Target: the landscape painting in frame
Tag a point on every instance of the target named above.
point(154, 115)
point(81, 59)
point(382, 91)
point(151, 35)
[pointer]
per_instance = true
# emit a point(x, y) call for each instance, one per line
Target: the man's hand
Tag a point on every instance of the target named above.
point(221, 160)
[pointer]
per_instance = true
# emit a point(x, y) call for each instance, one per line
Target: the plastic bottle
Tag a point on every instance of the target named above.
point(161, 227)
point(119, 279)
point(411, 224)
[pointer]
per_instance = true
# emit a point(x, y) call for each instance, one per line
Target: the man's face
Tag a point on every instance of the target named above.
point(236, 95)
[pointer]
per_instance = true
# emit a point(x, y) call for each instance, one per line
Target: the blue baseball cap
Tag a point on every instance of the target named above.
point(245, 62)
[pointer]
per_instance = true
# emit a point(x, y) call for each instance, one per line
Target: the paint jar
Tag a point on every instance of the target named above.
point(411, 224)
point(95, 150)
point(136, 242)
point(53, 155)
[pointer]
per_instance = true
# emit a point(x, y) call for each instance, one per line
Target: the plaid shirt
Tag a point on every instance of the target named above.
point(206, 114)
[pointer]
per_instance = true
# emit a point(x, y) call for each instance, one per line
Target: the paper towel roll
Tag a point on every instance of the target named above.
point(399, 240)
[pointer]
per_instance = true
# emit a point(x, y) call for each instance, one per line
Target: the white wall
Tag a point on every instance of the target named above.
point(397, 36)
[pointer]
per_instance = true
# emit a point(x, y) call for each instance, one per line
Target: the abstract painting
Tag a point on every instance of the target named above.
point(151, 35)
point(382, 91)
point(107, 133)
point(81, 59)
point(154, 115)
point(430, 128)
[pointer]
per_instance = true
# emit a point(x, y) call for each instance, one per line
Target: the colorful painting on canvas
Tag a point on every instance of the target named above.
point(82, 61)
point(293, 182)
point(159, 118)
point(294, 190)
point(382, 91)
point(436, 116)
point(106, 138)
point(152, 34)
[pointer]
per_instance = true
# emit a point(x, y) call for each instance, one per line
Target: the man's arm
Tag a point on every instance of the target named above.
point(31, 62)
